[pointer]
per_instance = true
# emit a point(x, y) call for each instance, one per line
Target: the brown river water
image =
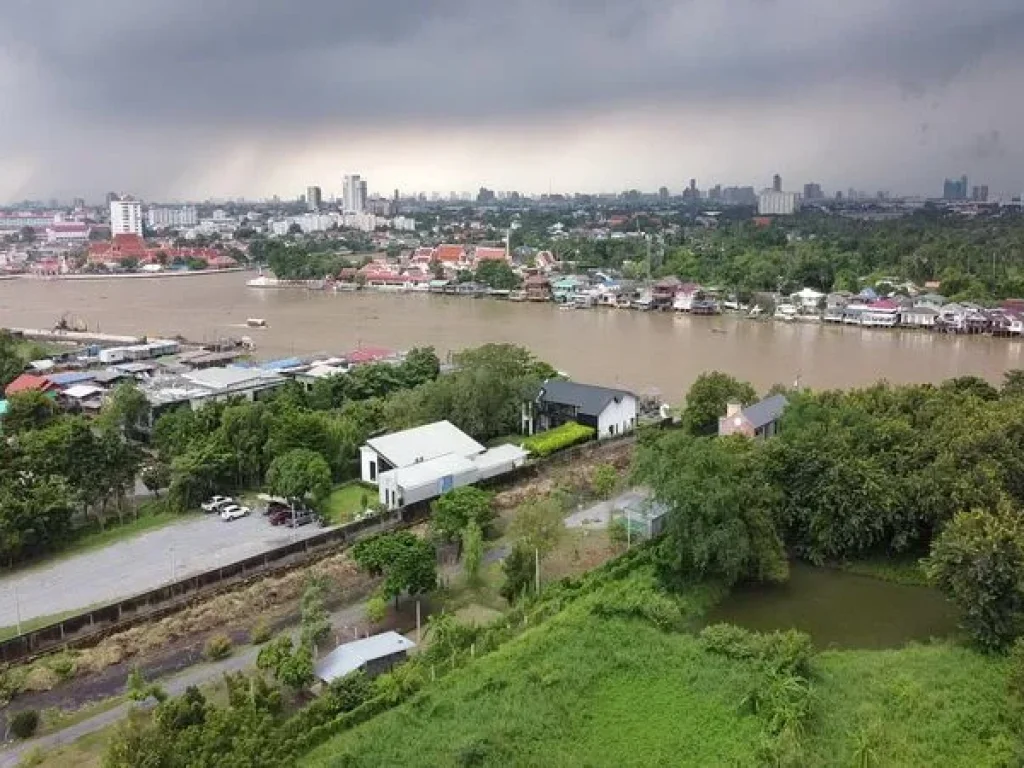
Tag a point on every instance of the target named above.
point(649, 352)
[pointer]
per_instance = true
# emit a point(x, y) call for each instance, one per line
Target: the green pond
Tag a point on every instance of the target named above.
point(840, 610)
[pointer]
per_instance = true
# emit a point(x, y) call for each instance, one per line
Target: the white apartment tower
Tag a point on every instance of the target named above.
point(125, 216)
point(772, 202)
point(354, 194)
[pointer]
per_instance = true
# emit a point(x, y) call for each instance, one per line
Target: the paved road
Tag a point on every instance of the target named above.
point(137, 565)
point(600, 514)
point(348, 622)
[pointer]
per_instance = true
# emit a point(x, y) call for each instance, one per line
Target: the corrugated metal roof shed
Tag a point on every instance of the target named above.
point(426, 472)
point(350, 657)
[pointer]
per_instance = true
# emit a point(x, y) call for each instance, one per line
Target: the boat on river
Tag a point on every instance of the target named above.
point(786, 312)
point(256, 322)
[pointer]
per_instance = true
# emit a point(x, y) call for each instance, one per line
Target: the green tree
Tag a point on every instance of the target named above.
point(29, 410)
point(156, 476)
point(407, 562)
point(518, 568)
point(978, 561)
point(300, 474)
point(472, 552)
point(289, 665)
point(497, 275)
point(1013, 383)
point(454, 510)
point(720, 505)
point(538, 525)
point(315, 623)
point(12, 362)
point(604, 481)
point(376, 609)
point(202, 470)
point(126, 411)
point(707, 399)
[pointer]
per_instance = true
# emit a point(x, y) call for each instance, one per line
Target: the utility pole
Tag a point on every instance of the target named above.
point(17, 608)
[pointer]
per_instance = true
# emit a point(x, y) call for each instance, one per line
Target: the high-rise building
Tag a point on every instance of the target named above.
point(691, 192)
point(663, 194)
point(773, 202)
point(314, 198)
point(979, 194)
point(164, 217)
point(776, 183)
point(812, 191)
point(78, 203)
point(955, 189)
point(353, 194)
point(125, 216)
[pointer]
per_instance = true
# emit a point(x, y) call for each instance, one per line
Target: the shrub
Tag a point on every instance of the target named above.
point(557, 439)
point(604, 481)
point(218, 647)
point(376, 609)
point(24, 723)
point(40, 678)
point(260, 632)
point(617, 531)
point(63, 665)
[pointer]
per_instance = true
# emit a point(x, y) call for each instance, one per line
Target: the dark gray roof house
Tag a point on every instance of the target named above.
point(758, 420)
point(609, 411)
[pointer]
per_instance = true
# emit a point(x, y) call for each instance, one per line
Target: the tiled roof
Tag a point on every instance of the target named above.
point(484, 253)
point(449, 253)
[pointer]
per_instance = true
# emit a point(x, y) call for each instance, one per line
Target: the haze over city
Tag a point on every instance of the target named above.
point(194, 100)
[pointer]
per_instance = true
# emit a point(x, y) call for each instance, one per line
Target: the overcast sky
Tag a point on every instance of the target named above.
point(207, 98)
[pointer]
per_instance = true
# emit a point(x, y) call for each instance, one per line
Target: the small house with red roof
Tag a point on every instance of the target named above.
point(28, 382)
point(485, 253)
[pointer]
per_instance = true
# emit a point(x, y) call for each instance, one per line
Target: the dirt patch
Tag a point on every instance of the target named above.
point(575, 477)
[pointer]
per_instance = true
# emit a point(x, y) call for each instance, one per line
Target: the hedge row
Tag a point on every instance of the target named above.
point(558, 438)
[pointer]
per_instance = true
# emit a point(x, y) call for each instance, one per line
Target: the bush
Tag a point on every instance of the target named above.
point(376, 609)
point(24, 723)
point(557, 439)
point(604, 481)
point(260, 632)
point(63, 665)
point(218, 647)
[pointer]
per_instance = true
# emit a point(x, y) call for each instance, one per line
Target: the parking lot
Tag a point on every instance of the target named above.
point(140, 564)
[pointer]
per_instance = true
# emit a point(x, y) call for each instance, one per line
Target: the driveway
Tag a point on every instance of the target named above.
point(140, 564)
point(600, 514)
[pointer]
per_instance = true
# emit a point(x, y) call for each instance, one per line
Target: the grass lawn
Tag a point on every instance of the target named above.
point(346, 501)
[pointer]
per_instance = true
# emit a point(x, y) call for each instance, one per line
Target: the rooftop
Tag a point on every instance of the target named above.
point(349, 657)
point(230, 378)
point(424, 443)
point(766, 411)
point(588, 398)
point(430, 471)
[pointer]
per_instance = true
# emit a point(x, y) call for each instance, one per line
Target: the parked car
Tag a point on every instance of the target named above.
point(281, 515)
point(216, 503)
point(233, 512)
point(302, 517)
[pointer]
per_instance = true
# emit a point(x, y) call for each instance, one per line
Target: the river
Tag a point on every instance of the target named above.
point(649, 352)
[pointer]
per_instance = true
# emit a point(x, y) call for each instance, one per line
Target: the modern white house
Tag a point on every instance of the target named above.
point(414, 446)
point(419, 464)
point(609, 411)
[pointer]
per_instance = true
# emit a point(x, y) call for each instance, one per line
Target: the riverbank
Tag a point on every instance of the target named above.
point(134, 275)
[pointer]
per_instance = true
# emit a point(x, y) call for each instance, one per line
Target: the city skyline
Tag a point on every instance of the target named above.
point(525, 96)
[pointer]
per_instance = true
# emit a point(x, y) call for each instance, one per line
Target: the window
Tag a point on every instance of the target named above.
point(373, 470)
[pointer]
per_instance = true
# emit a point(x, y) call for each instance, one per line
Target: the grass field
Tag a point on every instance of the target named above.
point(579, 690)
point(346, 501)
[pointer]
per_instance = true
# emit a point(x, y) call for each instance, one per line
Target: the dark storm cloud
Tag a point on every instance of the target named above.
point(189, 69)
point(289, 62)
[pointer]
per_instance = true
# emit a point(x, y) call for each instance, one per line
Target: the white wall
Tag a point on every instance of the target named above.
point(367, 456)
point(621, 415)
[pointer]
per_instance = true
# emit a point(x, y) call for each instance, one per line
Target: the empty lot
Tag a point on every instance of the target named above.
point(137, 565)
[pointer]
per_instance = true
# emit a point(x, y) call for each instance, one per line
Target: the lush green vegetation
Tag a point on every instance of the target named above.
point(600, 684)
point(62, 476)
point(569, 434)
point(236, 444)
